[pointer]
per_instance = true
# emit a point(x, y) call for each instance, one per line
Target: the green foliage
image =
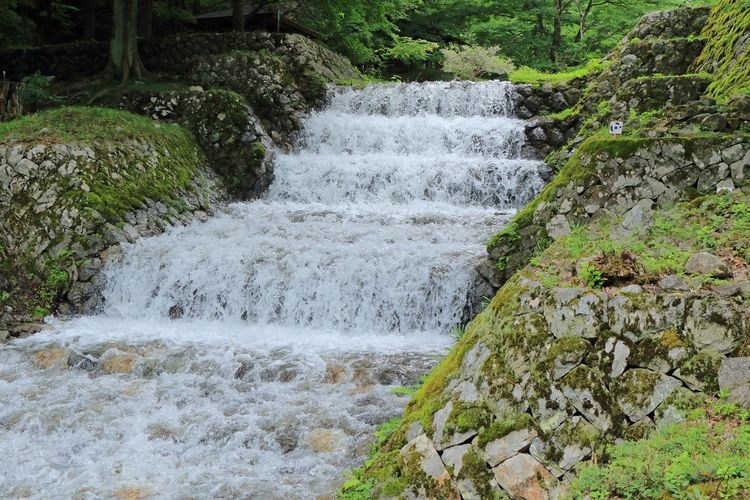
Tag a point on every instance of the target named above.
point(526, 74)
point(408, 50)
point(457, 331)
point(527, 32)
point(355, 488)
point(37, 94)
point(80, 124)
point(15, 28)
point(591, 275)
point(715, 223)
point(705, 456)
point(358, 29)
point(471, 62)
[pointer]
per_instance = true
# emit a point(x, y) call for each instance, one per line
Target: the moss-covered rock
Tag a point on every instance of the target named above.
point(69, 194)
point(727, 51)
point(224, 126)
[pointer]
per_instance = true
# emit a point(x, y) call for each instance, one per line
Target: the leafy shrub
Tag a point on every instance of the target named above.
point(472, 62)
point(409, 50)
point(37, 94)
point(703, 457)
point(591, 275)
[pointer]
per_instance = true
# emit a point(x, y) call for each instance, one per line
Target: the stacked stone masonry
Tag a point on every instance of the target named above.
point(572, 369)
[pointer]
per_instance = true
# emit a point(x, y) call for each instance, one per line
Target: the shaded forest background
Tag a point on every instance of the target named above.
point(405, 37)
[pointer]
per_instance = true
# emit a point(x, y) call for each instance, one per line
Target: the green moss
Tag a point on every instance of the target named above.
point(704, 366)
point(724, 55)
point(567, 348)
point(534, 76)
point(81, 124)
point(504, 425)
point(476, 470)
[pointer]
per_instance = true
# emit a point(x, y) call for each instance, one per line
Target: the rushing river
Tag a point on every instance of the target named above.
point(253, 355)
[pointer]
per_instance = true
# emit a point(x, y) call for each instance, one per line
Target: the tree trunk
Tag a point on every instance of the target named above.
point(89, 20)
point(238, 15)
point(556, 35)
point(124, 60)
point(145, 19)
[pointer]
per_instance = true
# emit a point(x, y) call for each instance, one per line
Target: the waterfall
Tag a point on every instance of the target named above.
point(253, 354)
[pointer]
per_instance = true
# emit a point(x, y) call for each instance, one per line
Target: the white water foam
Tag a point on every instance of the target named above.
point(292, 316)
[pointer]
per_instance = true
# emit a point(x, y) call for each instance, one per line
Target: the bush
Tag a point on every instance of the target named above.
point(472, 62)
point(409, 51)
point(702, 457)
point(37, 94)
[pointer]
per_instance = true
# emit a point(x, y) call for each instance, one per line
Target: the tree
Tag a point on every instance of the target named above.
point(89, 19)
point(124, 60)
point(146, 19)
point(238, 15)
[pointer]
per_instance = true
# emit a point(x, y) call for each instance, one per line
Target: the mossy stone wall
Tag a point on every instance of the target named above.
point(65, 205)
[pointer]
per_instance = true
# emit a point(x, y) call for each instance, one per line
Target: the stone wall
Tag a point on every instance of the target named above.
point(544, 377)
point(282, 77)
point(66, 208)
point(621, 177)
point(224, 126)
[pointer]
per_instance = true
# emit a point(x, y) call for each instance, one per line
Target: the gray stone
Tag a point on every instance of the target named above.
point(89, 269)
point(641, 391)
point(499, 450)
point(576, 312)
point(725, 186)
point(439, 438)
point(620, 353)
point(558, 227)
point(637, 219)
point(729, 289)
point(549, 409)
point(673, 283)
point(429, 460)
point(467, 392)
point(454, 457)
point(414, 430)
point(564, 448)
point(586, 391)
point(734, 377)
point(715, 323)
point(522, 476)
point(706, 263)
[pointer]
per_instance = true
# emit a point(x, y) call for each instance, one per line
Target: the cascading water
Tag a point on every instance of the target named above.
point(292, 317)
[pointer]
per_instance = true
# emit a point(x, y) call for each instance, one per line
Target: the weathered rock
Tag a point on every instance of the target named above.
point(641, 391)
point(673, 283)
point(734, 378)
point(586, 391)
point(715, 323)
point(326, 440)
point(501, 449)
point(429, 461)
point(454, 457)
point(706, 263)
point(524, 477)
point(566, 446)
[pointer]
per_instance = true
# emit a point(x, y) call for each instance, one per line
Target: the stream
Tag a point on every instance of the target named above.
point(254, 355)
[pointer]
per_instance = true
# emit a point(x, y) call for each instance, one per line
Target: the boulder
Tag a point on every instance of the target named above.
point(522, 476)
point(734, 377)
point(706, 263)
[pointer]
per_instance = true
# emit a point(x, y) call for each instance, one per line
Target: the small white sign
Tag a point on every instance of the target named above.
point(615, 128)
